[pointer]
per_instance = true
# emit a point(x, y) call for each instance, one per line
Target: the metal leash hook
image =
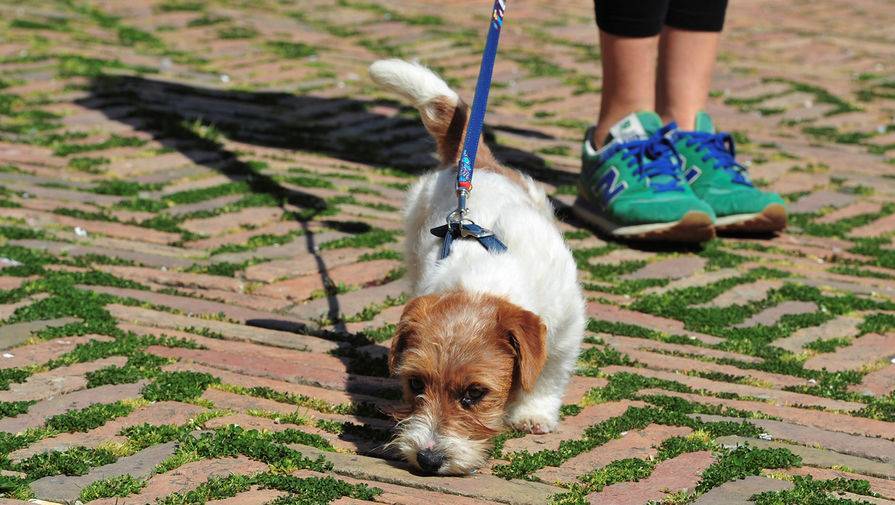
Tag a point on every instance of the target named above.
point(458, 226)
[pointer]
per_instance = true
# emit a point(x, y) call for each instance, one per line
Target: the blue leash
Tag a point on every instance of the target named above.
point(457, 225)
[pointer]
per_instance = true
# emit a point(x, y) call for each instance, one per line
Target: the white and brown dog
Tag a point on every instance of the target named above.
point(490, 340)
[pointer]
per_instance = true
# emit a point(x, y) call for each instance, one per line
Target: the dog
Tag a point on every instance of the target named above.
point(489, 340)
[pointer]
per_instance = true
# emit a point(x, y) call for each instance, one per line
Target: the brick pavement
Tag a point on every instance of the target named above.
point(200, 261)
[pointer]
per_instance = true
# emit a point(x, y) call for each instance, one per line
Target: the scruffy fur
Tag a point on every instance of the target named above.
point(508, 325)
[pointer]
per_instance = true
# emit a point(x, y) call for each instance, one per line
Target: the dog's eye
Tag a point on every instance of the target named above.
point(472, 395)
point(417, 385)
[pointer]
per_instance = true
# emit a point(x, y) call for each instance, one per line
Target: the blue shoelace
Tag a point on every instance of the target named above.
point(719, 147)
point(656, 160)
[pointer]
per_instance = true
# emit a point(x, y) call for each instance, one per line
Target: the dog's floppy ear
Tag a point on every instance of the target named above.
point(414, 313)
point(528, 337)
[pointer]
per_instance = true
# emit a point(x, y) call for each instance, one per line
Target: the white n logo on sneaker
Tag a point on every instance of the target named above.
point(610, 185)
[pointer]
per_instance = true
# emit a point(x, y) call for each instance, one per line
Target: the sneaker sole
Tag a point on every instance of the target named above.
point(772, 218)
point(695, 226)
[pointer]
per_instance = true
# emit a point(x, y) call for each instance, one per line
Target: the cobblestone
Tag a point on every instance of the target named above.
point(205, 201)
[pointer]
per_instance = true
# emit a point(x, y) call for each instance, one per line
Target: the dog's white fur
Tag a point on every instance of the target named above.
point(536, 273)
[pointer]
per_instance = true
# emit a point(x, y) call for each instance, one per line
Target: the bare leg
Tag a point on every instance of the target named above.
point(629, 77)
point(686, 61)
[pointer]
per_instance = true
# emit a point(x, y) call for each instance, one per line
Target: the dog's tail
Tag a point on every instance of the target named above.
point(444, 114)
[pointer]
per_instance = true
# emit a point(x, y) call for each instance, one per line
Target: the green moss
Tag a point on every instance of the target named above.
point(264, 240)
point(130, 36)
point(66, 149)
point(369, 239)
point(74, 461)
point(292, 50)
point(203, 194)
point(88, 418)
point(88, 164)
point(237, 32)
point(207, 20)
point(54, 24)
point(178, 386)
point(179, 6)
point(12, 409)
point(808, 491)
point(232, 441)
point(139, 366)
point(75, 66)
point(856, 271)
point(223, 268)
point(380, 334)
point(597, 357)
point(828, 345)
point(743, 462)
point(384, 254)
point(120, 486)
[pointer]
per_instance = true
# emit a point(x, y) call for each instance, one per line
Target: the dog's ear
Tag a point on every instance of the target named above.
point(414, 313)
point(527, 336)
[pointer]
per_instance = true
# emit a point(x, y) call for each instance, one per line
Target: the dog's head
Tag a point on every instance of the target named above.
point(461, 358)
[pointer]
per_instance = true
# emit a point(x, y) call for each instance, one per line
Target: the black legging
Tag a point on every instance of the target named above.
point(644, 18)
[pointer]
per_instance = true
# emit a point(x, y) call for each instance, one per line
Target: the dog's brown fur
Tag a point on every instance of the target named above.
point(446, 122)
point(455, 340)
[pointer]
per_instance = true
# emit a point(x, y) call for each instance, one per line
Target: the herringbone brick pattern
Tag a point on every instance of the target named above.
point(200, 261)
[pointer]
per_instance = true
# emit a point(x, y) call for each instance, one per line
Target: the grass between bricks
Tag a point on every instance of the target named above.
point(809, 491)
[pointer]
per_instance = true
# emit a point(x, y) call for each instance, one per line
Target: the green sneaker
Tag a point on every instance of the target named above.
point(715, 176)
point(633, 187)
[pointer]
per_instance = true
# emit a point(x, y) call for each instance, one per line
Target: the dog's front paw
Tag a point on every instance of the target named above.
point(533, 421)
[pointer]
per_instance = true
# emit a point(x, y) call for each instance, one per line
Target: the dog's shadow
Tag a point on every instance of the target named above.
point(184, 118)
point(187, 118)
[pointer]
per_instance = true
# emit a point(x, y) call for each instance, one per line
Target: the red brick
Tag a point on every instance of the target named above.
point(394, 494)
point(673, 268)
point(40, 411)
point(683, 365)
point(300, 288)
point(186, 478)
point(313, 369)
point(332, 396)
point(864, 350)
point(855, 209)
point(252, 497)
point(216, 225)
point(780, 397)
point(884, 487)
point(641, 444)
point(156, 414)
point(172, 278)
point(878, 383)
point(772, 315)
point(678, 474)
point(579, 386)
point(242, 237)
point(479, 485)
point(44, 351)
point(626, 344)
point(304, 264)
point(818, 418)
point(611, 313)
point(843, 326)
point(571, 428)
point(744, 293)
point(876, 228)
point(231, 332)
point(57, 381)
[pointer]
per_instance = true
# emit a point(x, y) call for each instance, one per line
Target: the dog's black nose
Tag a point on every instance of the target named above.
point(429, 460)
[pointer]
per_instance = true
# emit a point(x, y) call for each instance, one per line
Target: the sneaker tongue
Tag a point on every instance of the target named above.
point(703, 123)
point(636, 126)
